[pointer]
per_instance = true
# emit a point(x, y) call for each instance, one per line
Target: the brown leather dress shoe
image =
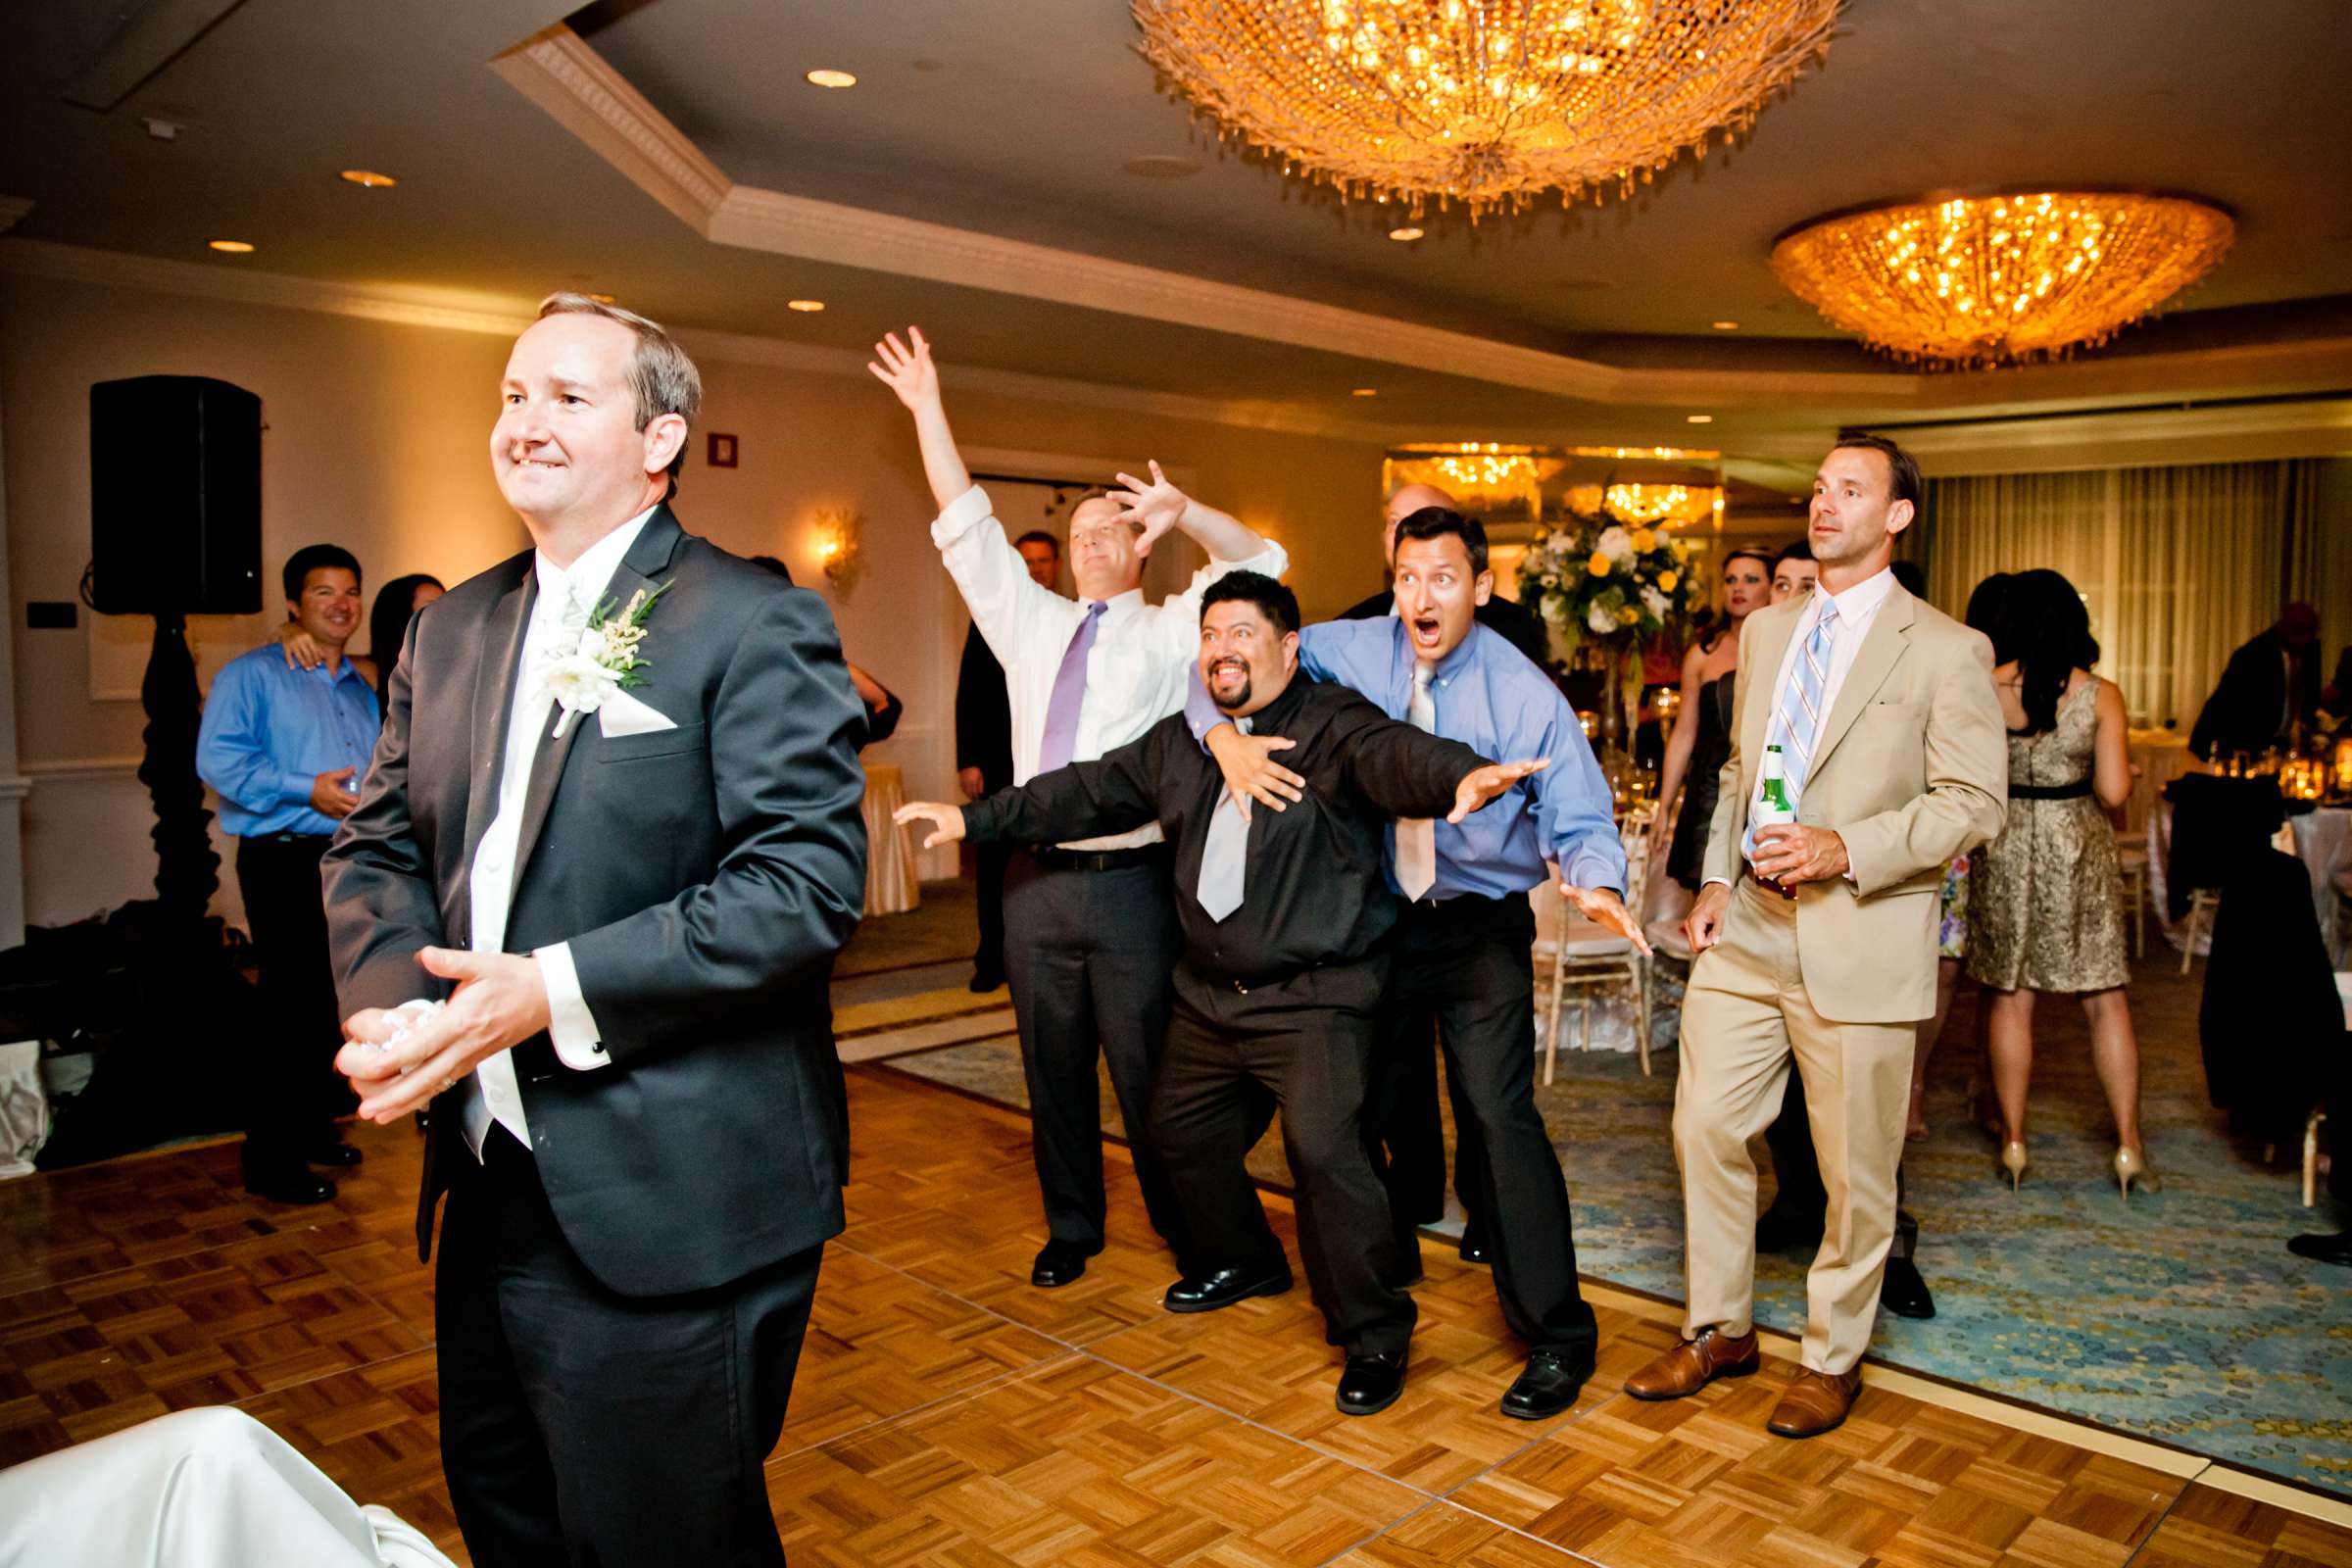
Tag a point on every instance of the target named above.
point(1693, 1364)
point(1816, 1403)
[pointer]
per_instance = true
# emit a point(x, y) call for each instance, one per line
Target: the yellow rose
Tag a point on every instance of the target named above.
point(1598, 566)
point(1682, 551)
point(1666, 581)
point(1644, 541)
point(1629, 616)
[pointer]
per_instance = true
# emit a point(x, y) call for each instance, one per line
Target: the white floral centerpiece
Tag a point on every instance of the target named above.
point(1606, 586)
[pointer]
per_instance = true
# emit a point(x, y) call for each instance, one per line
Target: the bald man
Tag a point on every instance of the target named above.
point(1410, 1137)
point(1524, 631)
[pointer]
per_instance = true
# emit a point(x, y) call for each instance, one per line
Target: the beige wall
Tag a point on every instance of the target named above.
point(377, 439)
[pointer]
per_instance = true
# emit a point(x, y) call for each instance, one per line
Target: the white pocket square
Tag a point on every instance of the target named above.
point(624, 714)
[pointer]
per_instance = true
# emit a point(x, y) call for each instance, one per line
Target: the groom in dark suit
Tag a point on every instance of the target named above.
point(584, 912)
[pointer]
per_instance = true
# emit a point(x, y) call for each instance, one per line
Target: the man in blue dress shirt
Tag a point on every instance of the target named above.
point(283, 748)
point(1462, 946)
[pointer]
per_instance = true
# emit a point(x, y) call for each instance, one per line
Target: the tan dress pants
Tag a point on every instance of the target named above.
point(1745, 1018)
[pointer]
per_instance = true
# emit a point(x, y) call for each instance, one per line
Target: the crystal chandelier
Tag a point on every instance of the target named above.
point(1481, 101)
point(1975, 280)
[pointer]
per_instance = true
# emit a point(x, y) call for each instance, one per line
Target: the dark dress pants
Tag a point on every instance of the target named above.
point(1410, 1143)
point(585, 1427)
point(1798, 1195)
point(989, 861)
point(293, 1091)
point(1307, 1042)
point(1465, 961)
point(1088, 954)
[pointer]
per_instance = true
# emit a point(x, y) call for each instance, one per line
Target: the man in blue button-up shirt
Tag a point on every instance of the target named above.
point(283, 748)
point(1463, 947)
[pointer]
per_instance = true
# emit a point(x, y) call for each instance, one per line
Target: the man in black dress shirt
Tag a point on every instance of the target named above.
point(984, 755)
point(1286, 918)
point(1519, 626)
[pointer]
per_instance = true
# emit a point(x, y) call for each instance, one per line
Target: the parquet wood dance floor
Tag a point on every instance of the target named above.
point(949, 1413)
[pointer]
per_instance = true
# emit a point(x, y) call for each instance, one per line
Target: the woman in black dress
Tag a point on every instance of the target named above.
point(1701, 742)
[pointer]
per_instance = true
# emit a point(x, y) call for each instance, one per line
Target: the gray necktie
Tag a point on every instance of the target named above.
point(1417, 836)
point(1223, 857)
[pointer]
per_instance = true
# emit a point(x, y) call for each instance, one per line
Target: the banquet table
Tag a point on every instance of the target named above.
point(2160, 756)
point(891, 884)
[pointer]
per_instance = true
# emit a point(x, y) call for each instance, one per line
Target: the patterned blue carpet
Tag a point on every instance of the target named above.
point(2180, 1317)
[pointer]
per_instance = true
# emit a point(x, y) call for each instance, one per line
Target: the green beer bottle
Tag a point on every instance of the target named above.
point(1775, 806)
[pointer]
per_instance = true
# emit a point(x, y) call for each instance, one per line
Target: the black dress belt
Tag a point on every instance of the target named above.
point(1100, 860)
point(2050, 792)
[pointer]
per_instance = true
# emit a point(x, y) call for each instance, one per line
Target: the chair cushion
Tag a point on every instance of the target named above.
point(1666, 934)
point(1589, 939)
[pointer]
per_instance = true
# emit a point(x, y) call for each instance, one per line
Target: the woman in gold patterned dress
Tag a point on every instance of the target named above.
point(2045, 911)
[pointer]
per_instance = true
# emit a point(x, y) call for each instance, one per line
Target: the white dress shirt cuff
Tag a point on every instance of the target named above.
point(963, 513)
point(569, 1023)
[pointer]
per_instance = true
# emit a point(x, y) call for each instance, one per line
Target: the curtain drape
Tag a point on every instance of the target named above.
point(2178, 565)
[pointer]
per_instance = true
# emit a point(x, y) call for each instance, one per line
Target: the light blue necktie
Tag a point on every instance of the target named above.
point(1223, 856)
point(1798, 722)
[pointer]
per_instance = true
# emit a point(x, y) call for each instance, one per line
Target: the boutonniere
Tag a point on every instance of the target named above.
point(607, 661)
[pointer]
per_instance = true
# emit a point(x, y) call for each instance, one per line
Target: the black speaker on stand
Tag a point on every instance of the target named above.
point(176, 530)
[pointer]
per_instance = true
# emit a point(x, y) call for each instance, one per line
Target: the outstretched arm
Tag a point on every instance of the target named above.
point(1159, 505)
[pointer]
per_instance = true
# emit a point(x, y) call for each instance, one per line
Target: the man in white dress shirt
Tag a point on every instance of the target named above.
point(1816, 936)
point(1089, 926)
point(630, 898)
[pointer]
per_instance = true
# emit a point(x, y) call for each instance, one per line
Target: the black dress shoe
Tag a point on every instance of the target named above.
point(1059, 1262)
point(1206, 1293)
point(2324, 1248)
point(1474, 1242)
point(1371, 1382)
point(1550, 1385)
point(330, 1150)
point(1904, 1293)
point(287, 1182)
point(1778, 1230)
point(987, 979)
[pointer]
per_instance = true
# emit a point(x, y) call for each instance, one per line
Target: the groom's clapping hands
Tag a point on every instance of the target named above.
point(501, 1000)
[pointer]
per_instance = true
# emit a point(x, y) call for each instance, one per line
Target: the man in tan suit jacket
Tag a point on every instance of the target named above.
point(1817, 938)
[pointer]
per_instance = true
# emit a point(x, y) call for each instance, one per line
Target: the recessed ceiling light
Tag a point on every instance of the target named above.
point(234, 247)
point(1404, 235)
point(1725, 326)
point(1161, 166)
point(1702, 418)
point(832, 79)
point(369, 178)
point(804, 305)
point(1366, 392)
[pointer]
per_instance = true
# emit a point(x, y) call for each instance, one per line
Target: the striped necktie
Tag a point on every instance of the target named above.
point(1796, 723)
point(1417, 836)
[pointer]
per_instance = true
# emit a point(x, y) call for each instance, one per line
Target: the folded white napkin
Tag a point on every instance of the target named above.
point(622, 714)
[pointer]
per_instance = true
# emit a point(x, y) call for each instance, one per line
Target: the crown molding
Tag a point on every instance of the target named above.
point(500, 316)
point(573, 83)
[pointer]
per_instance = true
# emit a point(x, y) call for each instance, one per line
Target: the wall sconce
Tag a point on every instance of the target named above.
point(840, 535)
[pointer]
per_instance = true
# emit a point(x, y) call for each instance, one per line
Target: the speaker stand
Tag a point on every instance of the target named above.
point(186, 871)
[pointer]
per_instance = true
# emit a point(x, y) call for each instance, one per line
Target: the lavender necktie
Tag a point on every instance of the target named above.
point(1069, 695)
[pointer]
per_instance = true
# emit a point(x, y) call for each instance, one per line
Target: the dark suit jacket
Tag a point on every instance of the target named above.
point(705, 877)
point(1519, 625)
point(983, 714)
point(2247, 711)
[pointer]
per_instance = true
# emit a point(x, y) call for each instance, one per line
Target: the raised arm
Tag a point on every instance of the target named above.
point(905, 369)
point(1007, 606)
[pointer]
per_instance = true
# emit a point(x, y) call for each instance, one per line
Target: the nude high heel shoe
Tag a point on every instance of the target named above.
point(2131, 1167)
point(2013, 1161)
